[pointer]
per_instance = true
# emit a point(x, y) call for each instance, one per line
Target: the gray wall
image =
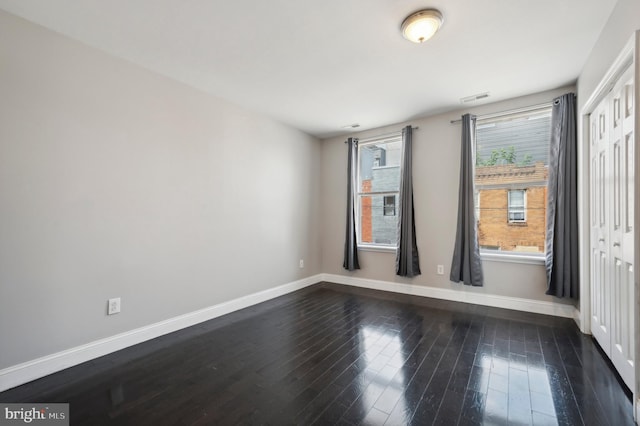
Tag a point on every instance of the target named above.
point(624, 20)
point(436, 151)
point(115, 181)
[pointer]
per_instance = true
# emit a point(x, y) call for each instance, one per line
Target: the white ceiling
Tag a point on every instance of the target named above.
point(321, 65)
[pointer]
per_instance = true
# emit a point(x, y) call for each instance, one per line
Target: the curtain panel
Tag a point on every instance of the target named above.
point(561, 242)
point(407, 259)
point(350, 262)
point(466, 266)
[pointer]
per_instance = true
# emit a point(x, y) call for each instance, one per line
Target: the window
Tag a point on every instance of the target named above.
point(512, 161)
point(516, 206)
point(390, 205)
point(378, 191)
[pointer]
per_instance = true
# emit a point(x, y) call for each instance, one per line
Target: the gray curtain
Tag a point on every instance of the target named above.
point(562, 201)
point(466, 266)
point(350, 242)
point(407, 259)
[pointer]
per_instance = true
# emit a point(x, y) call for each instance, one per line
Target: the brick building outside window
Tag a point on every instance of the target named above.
point(519, 226)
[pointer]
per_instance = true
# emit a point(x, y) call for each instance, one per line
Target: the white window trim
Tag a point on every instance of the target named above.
point(512, 257)
point(377, 247)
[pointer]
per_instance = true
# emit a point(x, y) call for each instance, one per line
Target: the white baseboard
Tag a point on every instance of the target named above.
point(22, 373)
point(466, 295)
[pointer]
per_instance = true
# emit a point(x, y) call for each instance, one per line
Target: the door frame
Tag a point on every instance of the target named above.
point(629, 56)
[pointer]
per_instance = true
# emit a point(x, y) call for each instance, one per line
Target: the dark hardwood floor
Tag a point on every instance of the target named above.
point(336, 355)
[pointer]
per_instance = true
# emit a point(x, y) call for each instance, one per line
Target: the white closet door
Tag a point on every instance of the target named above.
point(600, 175)
point(622, 288)
point(612, 219)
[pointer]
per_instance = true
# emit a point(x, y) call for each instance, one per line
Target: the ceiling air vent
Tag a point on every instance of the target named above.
point(474, 98)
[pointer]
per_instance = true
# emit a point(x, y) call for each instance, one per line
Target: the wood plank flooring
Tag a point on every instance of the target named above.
point(331, 354)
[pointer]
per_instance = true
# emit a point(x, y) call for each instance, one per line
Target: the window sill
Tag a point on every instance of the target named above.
point(530, 259)
point(383, 249)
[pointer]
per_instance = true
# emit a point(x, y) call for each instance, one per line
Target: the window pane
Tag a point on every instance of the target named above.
point(516, 199)
point(516, 216)
point(377, 227)
point(379, 184)
point(380, 167)
point(512, 152)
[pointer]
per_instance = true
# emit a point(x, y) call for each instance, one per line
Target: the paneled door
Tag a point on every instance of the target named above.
point(600, 270)
point(622, 288)
point(612, 223)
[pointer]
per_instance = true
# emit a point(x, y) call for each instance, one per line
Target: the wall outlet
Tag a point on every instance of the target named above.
point(440, 269)
point(301, 263)
point(113, 306)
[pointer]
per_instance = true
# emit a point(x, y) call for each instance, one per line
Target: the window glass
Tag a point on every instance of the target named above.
point(390, 205)
point(378, 191)
point(511, 171)
point(516, 206)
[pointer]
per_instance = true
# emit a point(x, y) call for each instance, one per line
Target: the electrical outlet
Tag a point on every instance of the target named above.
point(440, 270)
point(301, 263)
point(113, 306)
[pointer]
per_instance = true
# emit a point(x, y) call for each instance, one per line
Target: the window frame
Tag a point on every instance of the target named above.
point(390, 138)
point(517, 209)
point(388, 207)
point(510, 256)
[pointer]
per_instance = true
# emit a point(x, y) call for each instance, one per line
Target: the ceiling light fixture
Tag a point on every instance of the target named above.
point(422, 25)
point(351, 126)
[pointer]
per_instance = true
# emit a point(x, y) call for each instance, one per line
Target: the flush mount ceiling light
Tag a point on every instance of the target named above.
point(422, 25)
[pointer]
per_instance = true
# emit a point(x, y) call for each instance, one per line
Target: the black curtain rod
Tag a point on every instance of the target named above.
point(384, 134)
point(509, 112)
